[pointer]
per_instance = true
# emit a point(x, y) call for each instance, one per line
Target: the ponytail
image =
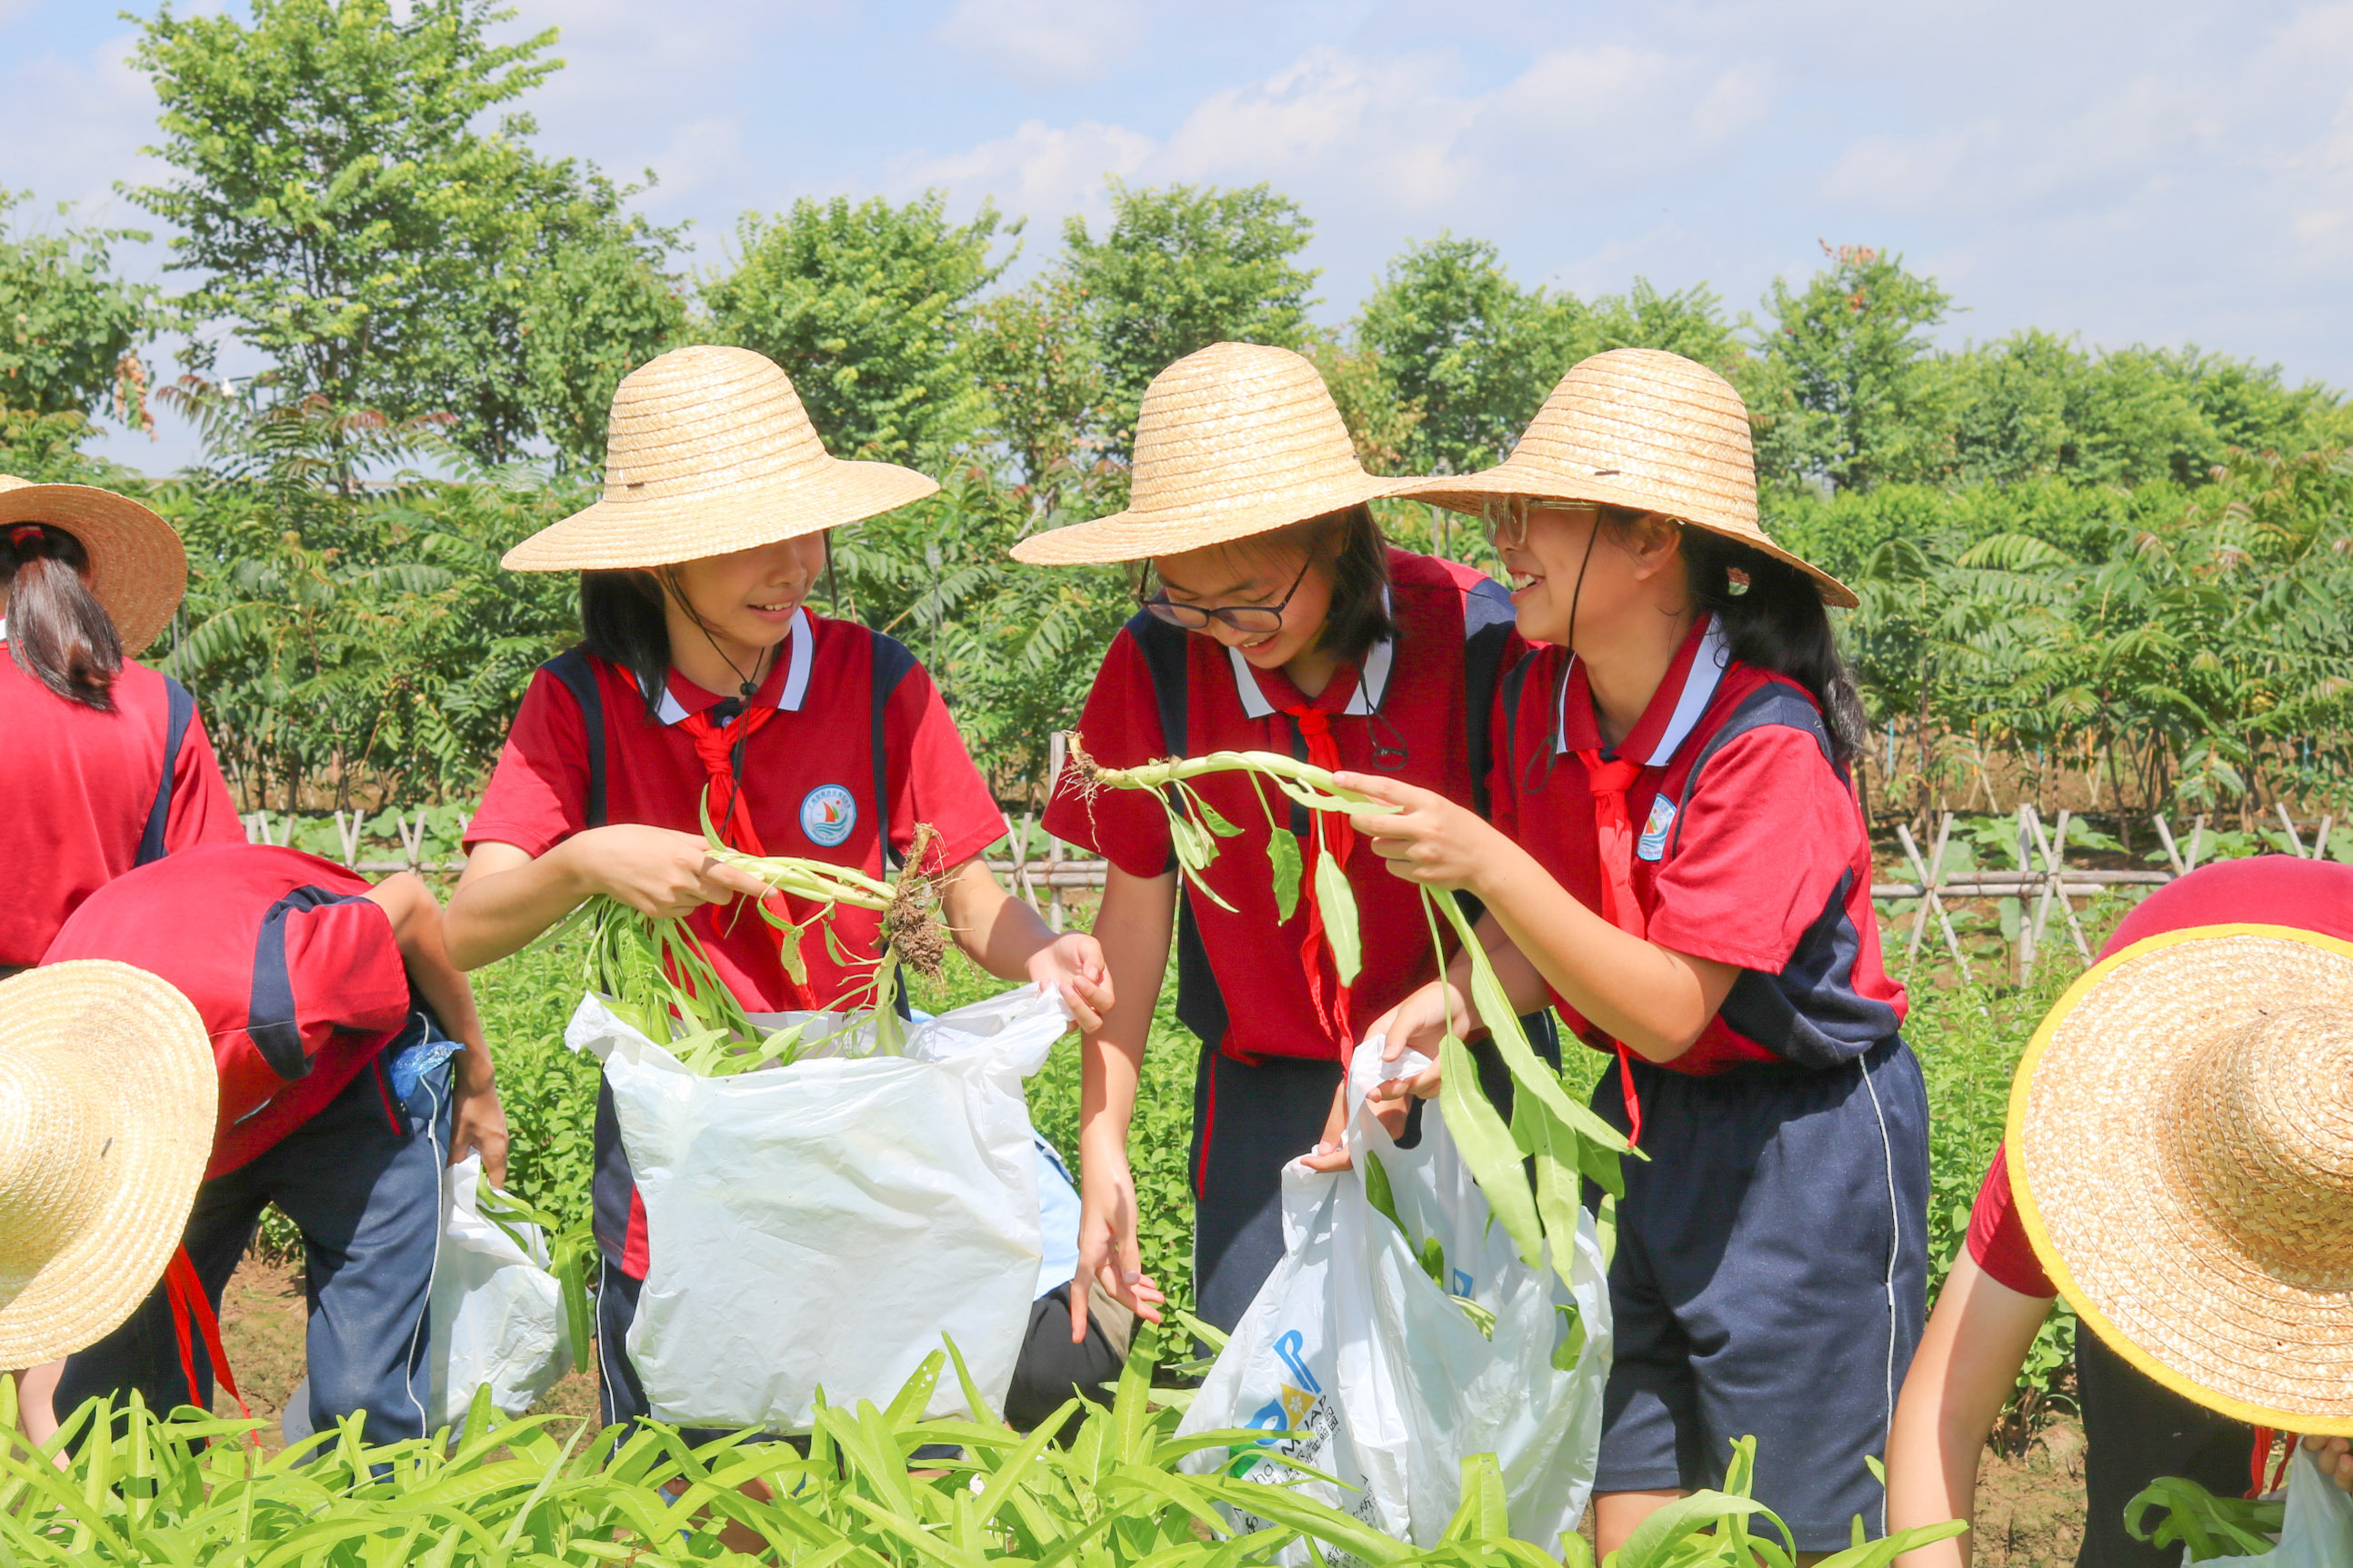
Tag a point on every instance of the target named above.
point(57, 631)
point(1776, 622)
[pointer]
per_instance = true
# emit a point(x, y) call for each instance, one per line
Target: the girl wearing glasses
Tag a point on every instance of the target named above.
point(1677, 861)
point(1274, 618)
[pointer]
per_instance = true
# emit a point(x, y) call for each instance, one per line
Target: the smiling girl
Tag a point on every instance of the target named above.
point(699, 669)
point(1274, 618)
point(1678, 862)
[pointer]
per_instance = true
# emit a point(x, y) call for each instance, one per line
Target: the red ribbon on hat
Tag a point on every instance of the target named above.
point(1334, 835)
point(1614, 838)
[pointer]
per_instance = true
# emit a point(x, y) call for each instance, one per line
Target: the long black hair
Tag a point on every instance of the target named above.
point(621, 622)
point(1776, 622)
point(57, 631)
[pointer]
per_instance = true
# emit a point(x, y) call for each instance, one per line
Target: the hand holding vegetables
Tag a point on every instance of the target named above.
point(1425, 837)
point(654, 870)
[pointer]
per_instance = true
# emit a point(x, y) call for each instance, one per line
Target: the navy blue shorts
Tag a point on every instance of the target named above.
point(1770, 1281)
point(361, 1179)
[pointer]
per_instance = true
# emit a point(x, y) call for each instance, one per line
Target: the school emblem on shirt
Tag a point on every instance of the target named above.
point(1653, 842)
point(828, 814)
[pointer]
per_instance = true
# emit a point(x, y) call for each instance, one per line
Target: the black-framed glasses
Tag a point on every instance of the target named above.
point(1242, 617)
point(1506, 516)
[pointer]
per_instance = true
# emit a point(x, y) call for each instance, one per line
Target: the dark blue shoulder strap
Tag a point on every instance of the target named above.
point(1162, 647)
point(891, 663)
point(270, 1020)
point(1775, 703)
point(179, 712)
point(1487, 622)
point(573, 668)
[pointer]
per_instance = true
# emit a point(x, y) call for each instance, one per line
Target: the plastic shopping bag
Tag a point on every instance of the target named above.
point(1385, 1378)
point(2317, 1531)
point(825, 1224)
point(497, 1312)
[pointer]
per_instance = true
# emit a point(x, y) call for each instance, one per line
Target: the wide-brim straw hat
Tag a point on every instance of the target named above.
point(138, 567)
point(1232, 440)
point(710, 451)
point(107, 1098)
point(2181, 1152)
point(1638, 428)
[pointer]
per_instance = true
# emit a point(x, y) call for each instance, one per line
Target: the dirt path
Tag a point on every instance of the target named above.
point(2030, 1508)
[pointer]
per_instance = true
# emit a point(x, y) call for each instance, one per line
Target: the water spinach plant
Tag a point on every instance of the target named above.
point(1529, 1166)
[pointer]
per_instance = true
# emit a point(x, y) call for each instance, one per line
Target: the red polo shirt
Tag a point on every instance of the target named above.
point(298, 977)
point(2269, 889)
point(1244, 983)
point(1762, 864)
point(79, 786)
point(843, 695)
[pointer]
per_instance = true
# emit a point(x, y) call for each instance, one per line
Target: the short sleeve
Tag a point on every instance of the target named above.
point(538, 793)
point(1119, 728)
point(201, 811)
point(1761, 846)
point(932, 776)
point(344, 966)
point(1998, 1239)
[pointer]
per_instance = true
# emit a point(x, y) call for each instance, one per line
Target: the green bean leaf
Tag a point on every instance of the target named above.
point(1215, 823)
point(1337, 902)
point(1282, 854)
point(1488, 1149)
point(1377, 1191)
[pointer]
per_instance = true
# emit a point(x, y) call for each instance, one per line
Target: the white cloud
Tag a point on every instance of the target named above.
point(1046, 43)
point(1040, 171)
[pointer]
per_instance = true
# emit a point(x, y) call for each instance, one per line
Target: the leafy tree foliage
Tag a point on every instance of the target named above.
point(1183, 267)
point(1464, 348)
point(350, 221)
point(869, 308)
point(68, 326)
point(1035, 357)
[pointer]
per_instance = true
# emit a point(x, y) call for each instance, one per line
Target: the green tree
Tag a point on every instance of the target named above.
point(1687, 321)
point(1035, 358)
point(870, 309)
point(1465, 349)
point(1843, 394)
point(68, 325)
point(347, 216)
point(1183, 267)
point(596, 312)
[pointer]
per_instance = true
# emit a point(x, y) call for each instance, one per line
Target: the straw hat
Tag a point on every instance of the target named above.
point(710, 451)
point(1232, 440)
point(106, 1099)
point(138, 568)
point(1638, 428)
point(2181, 1149)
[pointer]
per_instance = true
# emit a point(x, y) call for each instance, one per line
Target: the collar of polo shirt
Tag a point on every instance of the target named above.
point(1699, 686)
point(1371, 682)
point(800, 640)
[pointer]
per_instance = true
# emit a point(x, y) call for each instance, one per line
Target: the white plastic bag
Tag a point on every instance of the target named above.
point(1353, 1344)
point(2317, 1531)
point(498, 1313)
point(823, 1225)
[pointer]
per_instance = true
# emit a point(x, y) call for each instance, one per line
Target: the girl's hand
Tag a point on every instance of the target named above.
point(478, 1125)
point(1107, 1250)
point(2335, 1456)
point(1431, 840)
point(1417, 1024)
point(655, 870)
point(1072, 964)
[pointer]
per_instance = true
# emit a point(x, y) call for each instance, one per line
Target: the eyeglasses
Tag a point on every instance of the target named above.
point(1242, 617)
point(1506, 516)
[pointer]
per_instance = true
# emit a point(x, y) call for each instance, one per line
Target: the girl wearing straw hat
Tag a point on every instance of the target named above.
point(1279, 620)
point(106, 1095)
point(107, 765)
point(702, 670)
point(2184, 1161)
point(1679, 863)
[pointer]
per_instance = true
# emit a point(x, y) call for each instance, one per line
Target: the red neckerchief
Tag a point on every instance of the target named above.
point(1336, 837)
point(715, 745)
point(1609, 780)
point(185, 1292)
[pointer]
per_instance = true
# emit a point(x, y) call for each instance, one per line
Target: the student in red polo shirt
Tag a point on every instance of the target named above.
point(106, 764)
point(1677, 861)
point(700, 669)
point(1282, 623)
point(351, 1069)
point(1998, 1294)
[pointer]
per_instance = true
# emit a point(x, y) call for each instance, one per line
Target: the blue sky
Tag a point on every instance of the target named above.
point(2161, 174)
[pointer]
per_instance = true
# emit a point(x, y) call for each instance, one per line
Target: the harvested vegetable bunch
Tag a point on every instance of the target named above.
point(2202, 1524)
point(660, 980)
point(1560, 1139)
